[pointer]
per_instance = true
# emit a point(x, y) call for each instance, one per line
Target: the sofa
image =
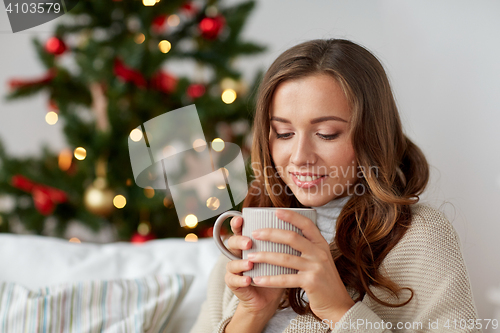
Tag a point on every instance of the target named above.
point(52, 285)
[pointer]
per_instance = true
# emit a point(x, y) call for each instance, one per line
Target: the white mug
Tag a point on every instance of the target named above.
point(257, 218)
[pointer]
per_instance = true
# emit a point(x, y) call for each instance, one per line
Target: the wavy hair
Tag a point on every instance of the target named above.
point(372, 223)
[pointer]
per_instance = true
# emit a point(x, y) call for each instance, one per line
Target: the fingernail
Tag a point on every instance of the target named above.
point(256, 233)
point(257, 279)
point(251, 256)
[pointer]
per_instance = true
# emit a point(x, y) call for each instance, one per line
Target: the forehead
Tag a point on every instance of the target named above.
point(310, 97)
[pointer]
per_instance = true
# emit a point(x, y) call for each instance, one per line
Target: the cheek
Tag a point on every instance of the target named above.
point(278, 156)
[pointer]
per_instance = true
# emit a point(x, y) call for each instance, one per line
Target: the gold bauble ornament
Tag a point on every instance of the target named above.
point(98, 198)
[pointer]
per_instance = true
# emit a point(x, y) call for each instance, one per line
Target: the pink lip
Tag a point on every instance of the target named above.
point(307, 184)
point(305, 174)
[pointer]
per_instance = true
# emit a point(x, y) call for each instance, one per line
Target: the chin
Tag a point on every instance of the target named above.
point(312, 200)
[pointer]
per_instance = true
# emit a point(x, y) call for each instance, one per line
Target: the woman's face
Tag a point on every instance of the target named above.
point(310, 119)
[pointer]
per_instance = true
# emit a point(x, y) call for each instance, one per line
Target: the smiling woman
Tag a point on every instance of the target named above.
point(327, 135)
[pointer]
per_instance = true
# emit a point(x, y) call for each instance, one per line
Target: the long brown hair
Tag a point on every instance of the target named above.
point(372, 223)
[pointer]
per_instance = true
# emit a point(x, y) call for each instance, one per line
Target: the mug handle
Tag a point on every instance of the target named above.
point(217, 227)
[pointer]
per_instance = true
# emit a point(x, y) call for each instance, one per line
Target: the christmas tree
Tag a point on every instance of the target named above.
point(117, 79)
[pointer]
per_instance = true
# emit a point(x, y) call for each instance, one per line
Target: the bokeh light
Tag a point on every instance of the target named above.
point(164, 46)
point(51, 118)
point(228, 96)
point(136, 135)
point(191, 238)
point(218, 144)
point(191, 220)
point(80, 153)
point(213, 203)
point(119, 201)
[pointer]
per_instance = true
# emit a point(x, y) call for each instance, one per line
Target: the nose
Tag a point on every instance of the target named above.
point(303, 152)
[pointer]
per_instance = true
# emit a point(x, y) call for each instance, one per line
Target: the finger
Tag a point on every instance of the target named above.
point(236, 225)
point(308, 228)
point(278, 281)
point(238, 243)
point(237, 281)
point(239, 266)
point(286, 237)
point(279, 259)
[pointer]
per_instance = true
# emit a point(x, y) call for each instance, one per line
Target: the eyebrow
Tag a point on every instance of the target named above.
point(313, 121)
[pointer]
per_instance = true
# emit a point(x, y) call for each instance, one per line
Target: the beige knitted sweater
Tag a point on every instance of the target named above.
point(427, 259)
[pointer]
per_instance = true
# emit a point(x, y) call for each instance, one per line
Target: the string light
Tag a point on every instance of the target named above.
point(139, 38)
point(191, 238)
point(51, 118)
point(136, 135)
point(167, 202)
point(168, 151)
point(191, 220)
point(213, 203)
point(164, 46)
point(199, 145)
point(80, 153)
point(144, 228)
point(218, 144)
point(228, 96)
point(173, 20)
point(64, 159)
point(119, 201)
point(149, 192)
point(149, 2)
point(74, 240)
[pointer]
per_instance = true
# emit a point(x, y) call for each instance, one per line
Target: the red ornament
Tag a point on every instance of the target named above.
point(53, 106)
point(55, 46)
point(196, 90)
point(164, 82)
point(45, 197)
point(138, 238)
point(16, 83)
point(210, 27)
point(189, 8)
point(128, 74)
point(158, 24)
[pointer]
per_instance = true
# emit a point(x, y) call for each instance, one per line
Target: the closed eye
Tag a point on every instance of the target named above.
point(283, 136)
point(328, 137)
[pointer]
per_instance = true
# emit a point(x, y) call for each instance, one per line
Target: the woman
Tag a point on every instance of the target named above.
point(327, 135)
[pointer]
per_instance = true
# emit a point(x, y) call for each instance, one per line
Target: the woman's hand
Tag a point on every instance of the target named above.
point(317, 273)
point(255, 300)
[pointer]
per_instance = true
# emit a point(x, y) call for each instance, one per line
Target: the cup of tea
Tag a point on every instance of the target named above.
point(258, 218)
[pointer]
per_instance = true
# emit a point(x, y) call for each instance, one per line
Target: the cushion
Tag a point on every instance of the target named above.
point(38, 261)
point(138, 305)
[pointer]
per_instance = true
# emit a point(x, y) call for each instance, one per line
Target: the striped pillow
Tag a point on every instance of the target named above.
point(140, 305)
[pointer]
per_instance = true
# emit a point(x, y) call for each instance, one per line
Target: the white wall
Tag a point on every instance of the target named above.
point(441, 57)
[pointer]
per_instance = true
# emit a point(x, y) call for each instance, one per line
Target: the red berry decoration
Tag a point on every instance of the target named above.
point(55, 46)
point(53, 106)
point(20, 83)
point(158, 24)
point(128, 74)
point(196, 90)
point(210, 27)
point(189, 8)
point(164, 82)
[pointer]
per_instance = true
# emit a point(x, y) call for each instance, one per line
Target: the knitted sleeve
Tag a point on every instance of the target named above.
point(428, 259)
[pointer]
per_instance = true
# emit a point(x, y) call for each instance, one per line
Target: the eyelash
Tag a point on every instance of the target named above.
point(285, 136)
